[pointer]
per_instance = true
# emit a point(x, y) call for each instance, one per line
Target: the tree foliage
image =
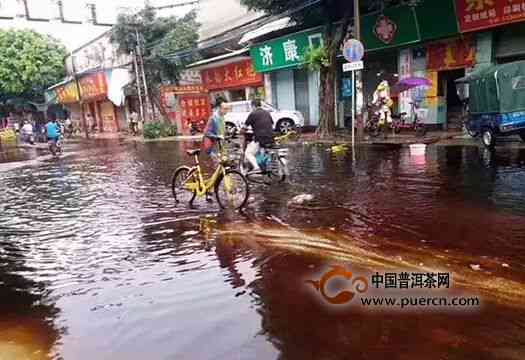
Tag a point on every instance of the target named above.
point(29, 63)
point(159, 39)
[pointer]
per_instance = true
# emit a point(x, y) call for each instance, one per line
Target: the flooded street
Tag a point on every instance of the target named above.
point(98, 262)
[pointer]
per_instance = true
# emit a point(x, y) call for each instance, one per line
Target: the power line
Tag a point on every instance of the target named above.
point(255, 23)
point(176, 5)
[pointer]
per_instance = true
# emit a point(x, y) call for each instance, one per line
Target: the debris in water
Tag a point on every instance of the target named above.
point(300, 199)
point(338, 148)
point(475, 267)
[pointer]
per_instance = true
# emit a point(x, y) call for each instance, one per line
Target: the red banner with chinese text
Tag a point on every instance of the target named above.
point(232, 75)
point(183, 89)
point(195, 110)
point(93, 86)
point(185, 105)
point(482, 14)
point(451, 54)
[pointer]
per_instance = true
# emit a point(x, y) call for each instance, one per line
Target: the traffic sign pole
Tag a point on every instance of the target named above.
point(353, 115)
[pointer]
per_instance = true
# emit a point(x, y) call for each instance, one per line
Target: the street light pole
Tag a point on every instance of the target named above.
point(75, 77)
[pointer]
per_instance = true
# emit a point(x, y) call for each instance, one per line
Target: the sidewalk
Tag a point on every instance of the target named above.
point(407, 138)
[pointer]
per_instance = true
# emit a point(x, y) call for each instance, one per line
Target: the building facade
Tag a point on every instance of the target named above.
point(102, 74)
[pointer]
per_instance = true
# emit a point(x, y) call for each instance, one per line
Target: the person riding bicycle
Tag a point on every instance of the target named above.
point(261, 123)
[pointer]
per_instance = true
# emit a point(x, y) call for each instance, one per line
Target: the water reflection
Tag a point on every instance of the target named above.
point(97, 240)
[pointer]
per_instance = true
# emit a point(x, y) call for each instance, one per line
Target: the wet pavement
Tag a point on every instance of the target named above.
point(97, 262)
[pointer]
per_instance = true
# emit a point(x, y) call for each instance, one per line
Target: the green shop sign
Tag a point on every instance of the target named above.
point(284, 52)
point(403, 25)
point(394, 27)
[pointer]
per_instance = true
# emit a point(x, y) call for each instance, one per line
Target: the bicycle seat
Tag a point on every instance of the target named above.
point(193, 152)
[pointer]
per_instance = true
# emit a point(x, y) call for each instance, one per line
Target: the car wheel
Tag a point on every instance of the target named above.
point(522, 136)
point(488, 138)
point(284, 126)
point(231, 129)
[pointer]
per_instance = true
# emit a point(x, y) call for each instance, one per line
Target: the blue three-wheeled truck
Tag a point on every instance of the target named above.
point(496, 102)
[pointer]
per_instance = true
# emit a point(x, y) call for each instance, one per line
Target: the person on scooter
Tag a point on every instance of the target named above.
point(27, 133)
point(383, 101)
point(52, 131)
point(261, 123)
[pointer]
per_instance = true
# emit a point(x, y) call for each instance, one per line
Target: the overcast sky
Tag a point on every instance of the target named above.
point(74, 36)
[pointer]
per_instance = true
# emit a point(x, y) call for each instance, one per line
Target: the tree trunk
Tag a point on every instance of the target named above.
point(155, 103)
point(327, 98)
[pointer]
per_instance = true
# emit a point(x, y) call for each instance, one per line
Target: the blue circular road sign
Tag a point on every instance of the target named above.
point(353, 50)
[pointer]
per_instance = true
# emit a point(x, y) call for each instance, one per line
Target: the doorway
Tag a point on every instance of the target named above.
point(302, 103)
point(454, 106)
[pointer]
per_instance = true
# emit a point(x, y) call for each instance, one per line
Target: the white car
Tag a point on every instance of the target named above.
point(283, 120)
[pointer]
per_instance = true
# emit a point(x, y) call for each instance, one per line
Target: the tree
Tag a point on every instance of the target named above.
point(336, 17)
point(29, 63)
point(159, 38)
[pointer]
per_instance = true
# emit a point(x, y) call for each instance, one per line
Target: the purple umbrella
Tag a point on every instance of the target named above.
point(409, 83)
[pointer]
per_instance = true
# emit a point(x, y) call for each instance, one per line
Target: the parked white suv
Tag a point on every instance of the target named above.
point(283, 120)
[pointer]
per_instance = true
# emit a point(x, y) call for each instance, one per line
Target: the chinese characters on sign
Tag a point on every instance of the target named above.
point(405, 280)
point(194, 109)
point(290, 51)
point(480, 14)
point(231, 75)
point(67, 93)
point(185, 104)
point(405, 71)
point(451, 54)
point(284, 52)
point(266, 55)
point(91, 86)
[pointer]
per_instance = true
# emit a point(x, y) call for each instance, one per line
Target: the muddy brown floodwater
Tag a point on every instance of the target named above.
point(97, 262)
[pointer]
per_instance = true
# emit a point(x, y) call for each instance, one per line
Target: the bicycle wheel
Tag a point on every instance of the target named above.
point(180, 177)
point(232, 190)
point(278, 169)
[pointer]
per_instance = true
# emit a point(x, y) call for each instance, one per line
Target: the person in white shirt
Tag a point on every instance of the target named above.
point(27, 132)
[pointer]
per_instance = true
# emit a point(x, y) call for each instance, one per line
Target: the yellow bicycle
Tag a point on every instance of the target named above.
point(291, 135)
point(230, 186)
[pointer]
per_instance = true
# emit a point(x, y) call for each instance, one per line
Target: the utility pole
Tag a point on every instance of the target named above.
point(358, 77)
point(73, 68)
point(139, 90)
point(141, 59)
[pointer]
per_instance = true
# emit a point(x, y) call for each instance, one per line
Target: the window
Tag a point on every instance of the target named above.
point(315, 40)
point(240, 108)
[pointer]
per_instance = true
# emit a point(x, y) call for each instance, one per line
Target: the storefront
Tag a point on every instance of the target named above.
point(100, 113)
point(289, 86)
point(230, 77)
point(395, 43)
point(503, 24)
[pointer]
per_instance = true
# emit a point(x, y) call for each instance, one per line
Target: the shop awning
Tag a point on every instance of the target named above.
point(225, 59)
point(276, 25)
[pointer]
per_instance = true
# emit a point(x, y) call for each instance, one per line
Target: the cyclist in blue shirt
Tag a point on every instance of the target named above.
point(53, 131)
